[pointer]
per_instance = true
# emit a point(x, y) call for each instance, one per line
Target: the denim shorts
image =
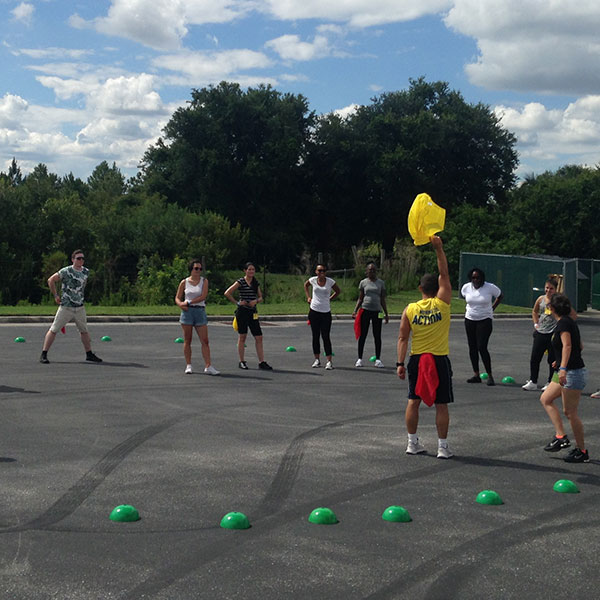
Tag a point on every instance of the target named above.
point(576, 379)
point(195, 316)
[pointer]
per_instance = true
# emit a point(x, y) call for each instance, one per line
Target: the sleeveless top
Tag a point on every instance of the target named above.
point(193, 291)
point(429, 321)
point(547, 323)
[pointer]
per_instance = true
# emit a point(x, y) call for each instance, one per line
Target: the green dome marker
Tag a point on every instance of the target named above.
point(373, 358)
point(124, 513)
point(566, 486)
point(178, 340)
point(106, 338)
point(489, 497)
point(235, 520)
point(19, 340)
point(323, 516)
point(396, 514)
point(508, 379)
point(290, 349)
point(483, 376)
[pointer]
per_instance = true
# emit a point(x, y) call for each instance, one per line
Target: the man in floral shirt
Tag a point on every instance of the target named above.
point(73, 279)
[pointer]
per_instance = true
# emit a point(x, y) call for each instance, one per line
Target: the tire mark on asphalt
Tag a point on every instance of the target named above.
point(83, 488)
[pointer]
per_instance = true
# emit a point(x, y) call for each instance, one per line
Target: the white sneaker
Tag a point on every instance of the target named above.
point(188, 370)
point(444, 452)
point(530, 386)
point(545, 387)
point(596, 394)
point(358, 363)
point(415, 447)
point(379, 364)
point(210, 370)
point(329, 366)
point(316, 364)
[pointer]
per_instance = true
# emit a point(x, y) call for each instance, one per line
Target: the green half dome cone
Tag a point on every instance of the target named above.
point(323, 516)
point(566, 486)
point(396, 514)
point(373, 358)
point(508, 379)
point(106, 338)
point(489, 497)
point(290, 349)
point(19, 340)
point(178, 340)
point(124, 513)
point(483, 376)
point(235, 520)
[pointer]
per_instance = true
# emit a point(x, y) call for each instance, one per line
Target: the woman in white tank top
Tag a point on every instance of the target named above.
point(191, 298)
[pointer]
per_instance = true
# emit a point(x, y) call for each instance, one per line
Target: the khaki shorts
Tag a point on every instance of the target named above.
point(66, 314)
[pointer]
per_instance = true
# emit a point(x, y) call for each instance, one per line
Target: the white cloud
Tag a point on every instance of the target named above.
point(290, 47)
point(23, 12)
point(52, 53)
point(357, 13)
point(126, 96)
point(12, 109)
point(209, 67)
point(161, 24)
point(347, 111)
point(547, 46)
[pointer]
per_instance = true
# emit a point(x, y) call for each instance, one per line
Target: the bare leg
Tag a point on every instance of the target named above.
point(570, 403)
point(202, 332)
point(442, 420)
point(550, 394)
point(86, 341)
point(48, 340)
point(258, 341)
point(241, 344)
point(187, 343)
point(412, 415)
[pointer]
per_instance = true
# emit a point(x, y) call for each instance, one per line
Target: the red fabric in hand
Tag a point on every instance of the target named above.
point(428, 379)
point(357, 322)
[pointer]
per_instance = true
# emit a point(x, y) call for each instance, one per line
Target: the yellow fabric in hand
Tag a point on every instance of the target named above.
point(425, 219)
point(234, 324)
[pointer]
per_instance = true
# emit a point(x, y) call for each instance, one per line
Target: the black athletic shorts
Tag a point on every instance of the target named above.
point(444, 368)
point(245, 320)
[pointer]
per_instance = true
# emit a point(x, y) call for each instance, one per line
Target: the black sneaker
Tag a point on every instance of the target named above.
point(474, 379)
point(490, 380)
point(243, 365)
point(577, 456)
point(557, 444)
point(264, 366)
point(93, 358)
point(44, 359)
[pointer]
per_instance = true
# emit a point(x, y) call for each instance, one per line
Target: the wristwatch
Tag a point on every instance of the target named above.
point(399, 364)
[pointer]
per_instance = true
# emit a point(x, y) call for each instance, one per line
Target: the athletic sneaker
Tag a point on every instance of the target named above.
point(358, 363)
point(577, 456)
point(329, 366)
point(188, 370)
point(444, 452)
point(596, 394)
point(379, 364)
point(316, 364)
point(210, 370)
point(44, 359)
point(93, 358)
point(545, 387)
point(243, 365)
point(474, 379)
point(556, 444)
point(530, 386)
point(415, 447)
point(264, 366)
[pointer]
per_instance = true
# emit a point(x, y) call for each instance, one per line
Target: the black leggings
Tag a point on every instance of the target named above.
point(320, 325)
point(369, 316)
point(541, 343)
point(478, 334)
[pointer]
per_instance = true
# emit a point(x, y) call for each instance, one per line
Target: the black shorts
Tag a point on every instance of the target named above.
point(245, 320)
point(444, 393)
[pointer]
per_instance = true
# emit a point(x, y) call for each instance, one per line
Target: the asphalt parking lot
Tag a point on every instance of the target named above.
point(78, 439)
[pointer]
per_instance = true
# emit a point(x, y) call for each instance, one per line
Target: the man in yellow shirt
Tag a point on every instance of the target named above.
point(428, 320)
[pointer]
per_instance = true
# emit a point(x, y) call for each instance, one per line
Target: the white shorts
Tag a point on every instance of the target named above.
point(66, 314)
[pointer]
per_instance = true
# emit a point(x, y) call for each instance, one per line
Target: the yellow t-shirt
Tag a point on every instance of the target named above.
point(429, 321)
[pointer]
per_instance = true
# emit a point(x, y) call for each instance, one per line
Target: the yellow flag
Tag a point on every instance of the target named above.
point(425, 219)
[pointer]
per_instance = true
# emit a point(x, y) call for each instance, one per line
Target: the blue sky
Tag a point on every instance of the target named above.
point(83, 82)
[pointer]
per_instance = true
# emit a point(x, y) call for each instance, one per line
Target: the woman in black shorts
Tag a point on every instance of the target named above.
point(246, 314)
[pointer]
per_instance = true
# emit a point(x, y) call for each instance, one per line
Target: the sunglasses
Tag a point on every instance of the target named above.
point(321, 270)
point(197, 269)
point(80, 258)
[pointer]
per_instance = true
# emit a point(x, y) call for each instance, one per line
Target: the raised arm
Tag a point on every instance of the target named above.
point(445, 289)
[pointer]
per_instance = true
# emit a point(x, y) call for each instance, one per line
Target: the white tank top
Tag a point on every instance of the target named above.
point(193, 291)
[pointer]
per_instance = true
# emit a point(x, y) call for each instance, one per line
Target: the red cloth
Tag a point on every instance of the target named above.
point(357, 322)
point(428, 379)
